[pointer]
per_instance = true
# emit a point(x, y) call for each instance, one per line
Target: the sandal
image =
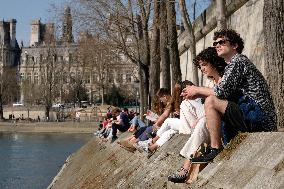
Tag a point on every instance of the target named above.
point(177, 177)
point(150, 153)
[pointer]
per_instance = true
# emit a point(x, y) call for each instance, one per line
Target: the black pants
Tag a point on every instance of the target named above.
point(121, 128)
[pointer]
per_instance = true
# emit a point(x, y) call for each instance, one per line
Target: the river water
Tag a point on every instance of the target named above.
point(32, 160)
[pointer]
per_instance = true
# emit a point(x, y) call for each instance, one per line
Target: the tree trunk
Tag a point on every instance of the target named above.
point(47, 110)
point(165, 59)
point(220, 14)
point(143, 88)
point(273, 26)
point(192, 44)
point(145, 59)
point(173, 45)
point(1, 108)
point(155, 53)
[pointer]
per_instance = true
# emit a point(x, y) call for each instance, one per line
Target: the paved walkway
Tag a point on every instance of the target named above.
point(46, 127)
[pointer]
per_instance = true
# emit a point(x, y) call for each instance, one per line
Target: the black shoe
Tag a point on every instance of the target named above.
point(113, 139)
point(177, 178)
point(207, 157)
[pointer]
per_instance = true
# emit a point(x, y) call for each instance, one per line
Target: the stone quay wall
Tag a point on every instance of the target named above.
point(244, 16)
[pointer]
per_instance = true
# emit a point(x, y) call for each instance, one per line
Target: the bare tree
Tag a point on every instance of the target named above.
point(192, 43)
point(273, 12)
point(48, 80)
point(10, 85)
point(95, 59)
point(164, 50)
point(173, 44)
point(9, 88)
point(116, 22)
point(155, 52)
point(221, 14)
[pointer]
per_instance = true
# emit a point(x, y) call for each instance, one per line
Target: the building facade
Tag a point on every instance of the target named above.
point(98, 70)
point(9, 48)
point(10, 53)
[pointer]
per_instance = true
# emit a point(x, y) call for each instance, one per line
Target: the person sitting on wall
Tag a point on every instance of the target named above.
point(136, 123)
point(163, 106)
point(163, 125)
point(122, 123)
point(253, 112)
point(213, 67)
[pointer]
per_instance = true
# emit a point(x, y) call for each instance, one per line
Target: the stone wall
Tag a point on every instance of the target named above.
point(251, 163)
point(243, 16)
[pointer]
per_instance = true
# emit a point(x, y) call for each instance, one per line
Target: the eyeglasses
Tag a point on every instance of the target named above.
point(221, 42)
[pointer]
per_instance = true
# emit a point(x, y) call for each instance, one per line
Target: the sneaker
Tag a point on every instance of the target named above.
point(113, 139)
point(180, 176)
point(207, 157)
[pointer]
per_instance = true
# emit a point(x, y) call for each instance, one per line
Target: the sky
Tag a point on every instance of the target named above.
point(24, 11)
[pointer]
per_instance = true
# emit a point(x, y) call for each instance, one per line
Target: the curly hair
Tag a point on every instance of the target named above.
point(232, 36)
point(163, 91)
point(173, 101)
point(159, 106)
point(210, 56)
point(185, 83)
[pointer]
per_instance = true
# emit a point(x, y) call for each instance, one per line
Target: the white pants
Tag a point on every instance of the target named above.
point(199, 135)
point(167, 130)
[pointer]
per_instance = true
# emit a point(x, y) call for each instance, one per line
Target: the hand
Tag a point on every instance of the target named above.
point(176, 114)
point(190, 92)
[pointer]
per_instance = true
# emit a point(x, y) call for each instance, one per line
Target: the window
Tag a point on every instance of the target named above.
point(119, 78)
point(128, 78)
point(87, 78)
point(110, 78)
point(36, 81)
point(40, 58)
point(60, 58)
point(94, 78)
point(29, 77)
point(54, 57)
point(22, 76)
point(70, 57)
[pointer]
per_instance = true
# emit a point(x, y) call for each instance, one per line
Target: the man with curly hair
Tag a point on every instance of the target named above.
point(253, 112)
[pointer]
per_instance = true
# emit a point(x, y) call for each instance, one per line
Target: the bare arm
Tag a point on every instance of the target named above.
point(193, 92)
point(163, 117)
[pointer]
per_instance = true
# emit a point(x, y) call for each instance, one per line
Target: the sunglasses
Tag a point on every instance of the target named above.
point(221, 42)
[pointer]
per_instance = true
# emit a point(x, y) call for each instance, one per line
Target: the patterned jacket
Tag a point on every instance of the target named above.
point(242, 75)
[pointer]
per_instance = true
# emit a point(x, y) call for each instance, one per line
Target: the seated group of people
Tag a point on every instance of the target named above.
point(238, 101)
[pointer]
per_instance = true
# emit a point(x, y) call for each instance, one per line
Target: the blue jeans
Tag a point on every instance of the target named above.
point(243, 116)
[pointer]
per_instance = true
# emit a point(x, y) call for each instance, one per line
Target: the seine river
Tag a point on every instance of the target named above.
point(31, 160)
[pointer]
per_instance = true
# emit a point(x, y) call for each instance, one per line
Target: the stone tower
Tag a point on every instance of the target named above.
point(13, 32)
point(35, 33)
point(48, 33)
point(67, 35)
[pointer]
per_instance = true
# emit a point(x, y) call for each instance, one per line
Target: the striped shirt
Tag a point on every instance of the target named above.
point(242, 75)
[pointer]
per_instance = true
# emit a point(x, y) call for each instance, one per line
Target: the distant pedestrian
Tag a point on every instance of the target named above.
point(78, 116)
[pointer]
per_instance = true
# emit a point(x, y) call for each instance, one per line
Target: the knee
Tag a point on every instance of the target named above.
point(210, 102)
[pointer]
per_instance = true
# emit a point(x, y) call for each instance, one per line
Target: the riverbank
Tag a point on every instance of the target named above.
point(50, 127)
